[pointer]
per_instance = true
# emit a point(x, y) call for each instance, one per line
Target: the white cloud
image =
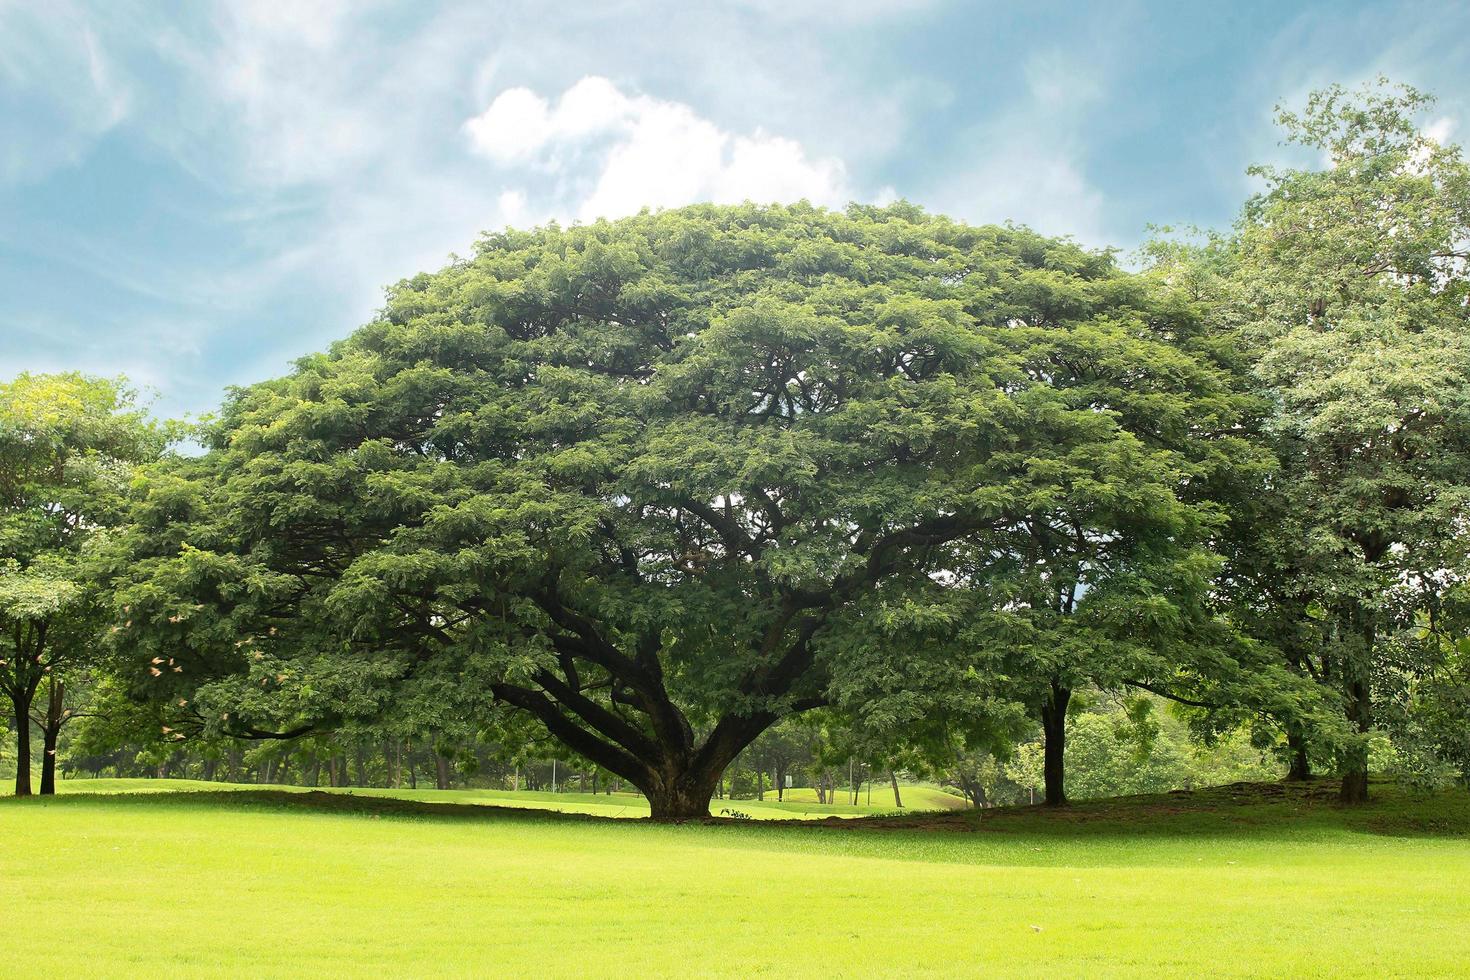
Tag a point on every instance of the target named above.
point(619, 153)
point(1440, 130)
point(515, 126)
point(1042, 187)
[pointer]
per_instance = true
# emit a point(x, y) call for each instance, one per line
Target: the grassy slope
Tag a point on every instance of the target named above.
point(271, 883)
point(800, 804)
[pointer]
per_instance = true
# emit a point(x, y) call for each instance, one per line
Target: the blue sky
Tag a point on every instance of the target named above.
point(196, 193)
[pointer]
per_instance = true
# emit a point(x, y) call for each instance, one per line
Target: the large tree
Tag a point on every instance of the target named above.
point(1352, 287)
point(656, 483)
point(68, 445)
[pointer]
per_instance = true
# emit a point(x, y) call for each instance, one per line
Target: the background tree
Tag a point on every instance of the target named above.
point(68, 446)
point(1353, 285)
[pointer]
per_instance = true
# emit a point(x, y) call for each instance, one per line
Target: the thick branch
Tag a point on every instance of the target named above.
point(599, 718)
point(572, 735)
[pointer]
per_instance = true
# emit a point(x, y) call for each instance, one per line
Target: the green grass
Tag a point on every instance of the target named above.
point(1263, 882)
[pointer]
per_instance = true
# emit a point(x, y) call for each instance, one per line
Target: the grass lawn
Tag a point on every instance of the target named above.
point(1261, 881)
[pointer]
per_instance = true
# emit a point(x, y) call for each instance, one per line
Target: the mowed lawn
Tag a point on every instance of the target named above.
point(266, 883)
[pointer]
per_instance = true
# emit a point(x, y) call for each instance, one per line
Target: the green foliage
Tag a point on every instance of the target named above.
point(1344, 293)
point(1140, 745)
point(68, 448)
point(662, 481)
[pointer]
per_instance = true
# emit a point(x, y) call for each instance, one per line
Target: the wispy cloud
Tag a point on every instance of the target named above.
point(1028, 161)
point(59, 89)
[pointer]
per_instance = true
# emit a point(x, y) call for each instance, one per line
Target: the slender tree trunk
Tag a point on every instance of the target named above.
point(893, 778)
point(1054, 731)
point(50, 735)
point(1359, 711)
point(1355, 757)
point(22, 705)
point(391, 757)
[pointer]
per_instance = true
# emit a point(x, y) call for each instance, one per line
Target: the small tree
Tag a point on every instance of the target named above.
point(68, 446)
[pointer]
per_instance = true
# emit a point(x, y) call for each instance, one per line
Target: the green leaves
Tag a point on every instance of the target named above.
point(34, 594)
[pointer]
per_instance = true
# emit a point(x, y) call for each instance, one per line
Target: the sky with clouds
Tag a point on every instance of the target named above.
point(195, 193)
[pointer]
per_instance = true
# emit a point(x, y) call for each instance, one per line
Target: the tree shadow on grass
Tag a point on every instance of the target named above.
point(1254, 810)
point(1231, 810)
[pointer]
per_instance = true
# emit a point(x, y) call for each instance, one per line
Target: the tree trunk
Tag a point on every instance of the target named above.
point(50, 735)
point(1355, 757)
point(22, 705)
point(893, 778)
point(1359, 711)
point(1301, 766)
point(685, 797)
point(441, 772)
point(1054, 731)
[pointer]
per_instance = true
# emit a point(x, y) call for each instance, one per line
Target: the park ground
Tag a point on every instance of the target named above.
point(1236, 881)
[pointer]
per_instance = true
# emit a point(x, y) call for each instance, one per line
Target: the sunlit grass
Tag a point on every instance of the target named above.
point(254, 883)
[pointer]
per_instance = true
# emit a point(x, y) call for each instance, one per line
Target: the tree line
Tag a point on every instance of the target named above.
point(650, 488)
